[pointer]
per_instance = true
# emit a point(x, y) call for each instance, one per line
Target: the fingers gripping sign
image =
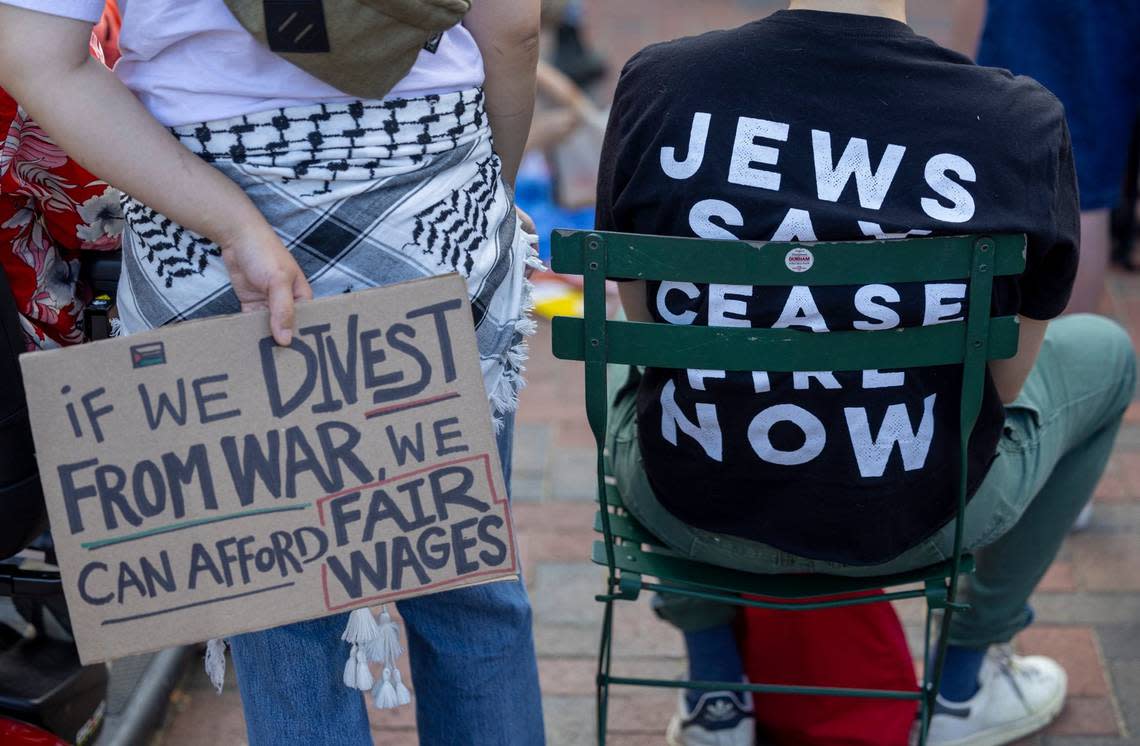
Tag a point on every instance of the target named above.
point(265, 275)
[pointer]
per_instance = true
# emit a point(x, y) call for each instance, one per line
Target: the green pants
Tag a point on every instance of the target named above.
point(1057, 439)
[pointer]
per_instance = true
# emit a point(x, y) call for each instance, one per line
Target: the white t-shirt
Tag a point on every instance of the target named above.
point(191, 61)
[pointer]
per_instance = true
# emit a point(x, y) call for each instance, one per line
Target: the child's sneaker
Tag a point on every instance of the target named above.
point(718, 719)
point(1016, 696)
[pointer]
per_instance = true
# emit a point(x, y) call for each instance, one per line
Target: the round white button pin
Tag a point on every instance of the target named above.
point(799, 259)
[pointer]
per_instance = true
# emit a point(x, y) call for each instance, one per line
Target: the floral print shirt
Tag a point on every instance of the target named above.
point(51, 209)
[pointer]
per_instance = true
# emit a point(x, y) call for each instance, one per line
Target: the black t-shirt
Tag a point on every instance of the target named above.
point(822, 126)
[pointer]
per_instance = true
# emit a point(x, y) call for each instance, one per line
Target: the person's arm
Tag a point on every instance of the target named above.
point(550, 128)
point(1009, 375)
point(966, 31)
point(634, 300)
point(563, 91)
point(506, 32)
point(45, 65)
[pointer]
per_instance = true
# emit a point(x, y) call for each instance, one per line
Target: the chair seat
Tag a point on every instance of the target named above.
point(643, 553)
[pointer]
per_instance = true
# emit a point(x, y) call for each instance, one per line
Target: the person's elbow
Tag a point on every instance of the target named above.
point(1008, 391)
point(1010, 374)
point(509, 32)
point(521, 37)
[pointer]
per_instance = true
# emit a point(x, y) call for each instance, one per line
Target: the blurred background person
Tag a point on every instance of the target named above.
point(1087, 52)
point(573, 56)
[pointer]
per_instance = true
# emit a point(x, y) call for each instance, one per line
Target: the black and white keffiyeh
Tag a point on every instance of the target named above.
point(363, 194)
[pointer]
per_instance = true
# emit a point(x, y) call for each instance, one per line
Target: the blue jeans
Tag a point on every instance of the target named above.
point(475, 677)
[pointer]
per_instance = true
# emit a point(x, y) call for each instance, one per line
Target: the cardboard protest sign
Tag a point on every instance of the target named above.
point(202, 481)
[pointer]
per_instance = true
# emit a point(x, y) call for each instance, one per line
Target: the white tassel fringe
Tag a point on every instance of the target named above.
point(361, 632)
point(385, 694)
point(385, 647)
point(356, 672)
point(350, 669)
point(504, 395)
point(216, 663)
point(361, 627)
point(403, 696)
point(364, 680)
point(377, 640)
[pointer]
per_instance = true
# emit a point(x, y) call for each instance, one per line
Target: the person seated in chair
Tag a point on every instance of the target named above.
point(833, 120)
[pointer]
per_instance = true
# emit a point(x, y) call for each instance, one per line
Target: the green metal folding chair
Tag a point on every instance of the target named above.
point(634, 558)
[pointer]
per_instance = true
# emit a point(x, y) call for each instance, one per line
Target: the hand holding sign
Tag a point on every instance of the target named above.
point(203, 481)
point(265, 275)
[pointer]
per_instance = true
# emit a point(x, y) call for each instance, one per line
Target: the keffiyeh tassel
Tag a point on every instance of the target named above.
point(360, 632)
point(361, 628)
point(403, 696)
point(216, 663)
point(385, 647)
point(504, 396)
point(385, 697)
point(389, 691)
point(356, 672)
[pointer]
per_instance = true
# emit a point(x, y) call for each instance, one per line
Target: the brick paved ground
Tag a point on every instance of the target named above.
point(1088, 607)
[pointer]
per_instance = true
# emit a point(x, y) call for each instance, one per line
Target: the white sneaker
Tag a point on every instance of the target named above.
point(1016, 696)
point(718, 719)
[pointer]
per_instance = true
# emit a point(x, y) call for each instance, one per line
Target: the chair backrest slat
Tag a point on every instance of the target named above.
point(780, 350)
point(632, 256)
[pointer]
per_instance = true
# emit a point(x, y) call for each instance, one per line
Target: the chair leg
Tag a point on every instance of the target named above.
point(924, 705)
point(925, 713)
point(940, 654)
point(604, 657)
point(932, 671)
